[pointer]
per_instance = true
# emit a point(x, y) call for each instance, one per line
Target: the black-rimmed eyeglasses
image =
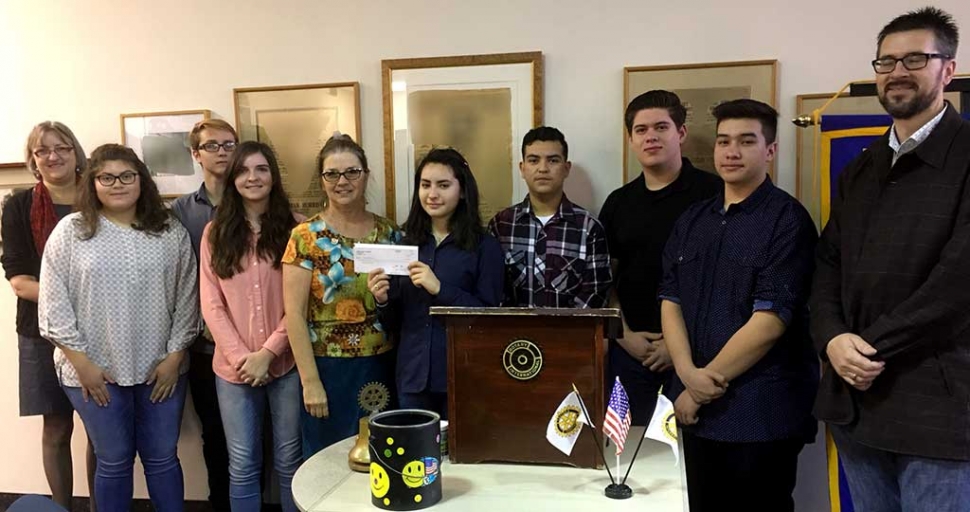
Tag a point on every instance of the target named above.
point(351, 173)
point(911, 61)
point(108, 180)
point(213, 147)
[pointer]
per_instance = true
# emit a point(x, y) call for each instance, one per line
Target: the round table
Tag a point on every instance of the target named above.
point(324, 483)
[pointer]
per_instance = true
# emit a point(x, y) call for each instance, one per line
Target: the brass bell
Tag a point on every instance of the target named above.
point(359, 457)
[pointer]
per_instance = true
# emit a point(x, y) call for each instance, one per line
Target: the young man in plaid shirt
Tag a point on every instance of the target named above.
point(555, 251)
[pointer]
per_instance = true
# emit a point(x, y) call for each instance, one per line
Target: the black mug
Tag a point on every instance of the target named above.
point(405, 454)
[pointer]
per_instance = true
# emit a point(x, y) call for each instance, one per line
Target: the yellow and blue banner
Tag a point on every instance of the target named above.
point(842, 138)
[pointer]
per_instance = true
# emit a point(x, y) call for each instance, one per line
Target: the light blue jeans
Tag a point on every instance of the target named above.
point(242, 407)
point(130, 424)
point(882, 481)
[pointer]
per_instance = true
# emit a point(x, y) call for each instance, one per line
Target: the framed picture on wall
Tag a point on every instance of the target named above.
point(701, 87)
point(13, 177)
point(161, 140)
point(481, 105)
point(807, 179)
point(296, 121)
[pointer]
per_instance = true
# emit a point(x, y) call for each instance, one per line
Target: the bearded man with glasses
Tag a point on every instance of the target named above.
point(892, 287)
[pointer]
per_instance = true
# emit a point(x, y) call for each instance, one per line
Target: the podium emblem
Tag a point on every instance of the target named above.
point(522, 359)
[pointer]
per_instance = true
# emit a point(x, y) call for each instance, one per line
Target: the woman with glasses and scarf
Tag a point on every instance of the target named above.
point(56, 159)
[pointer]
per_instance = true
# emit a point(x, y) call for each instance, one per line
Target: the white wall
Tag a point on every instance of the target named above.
point(84, 63)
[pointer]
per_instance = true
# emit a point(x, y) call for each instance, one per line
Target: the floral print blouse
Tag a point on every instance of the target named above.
point(341, 313)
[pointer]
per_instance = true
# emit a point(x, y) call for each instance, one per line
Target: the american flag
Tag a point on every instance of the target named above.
point(617, 423)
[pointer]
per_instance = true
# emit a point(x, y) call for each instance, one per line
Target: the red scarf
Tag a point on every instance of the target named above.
point(42, 216)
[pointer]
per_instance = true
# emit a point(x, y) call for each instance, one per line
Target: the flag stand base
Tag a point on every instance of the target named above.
point(619, 491)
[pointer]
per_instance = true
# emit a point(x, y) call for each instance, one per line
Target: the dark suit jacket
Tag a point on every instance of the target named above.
point(893, 266)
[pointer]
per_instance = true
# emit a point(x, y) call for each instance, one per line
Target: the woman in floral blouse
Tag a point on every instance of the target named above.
point(344, 359)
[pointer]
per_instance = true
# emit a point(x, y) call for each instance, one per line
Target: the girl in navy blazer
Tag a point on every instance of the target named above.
point(458, 265)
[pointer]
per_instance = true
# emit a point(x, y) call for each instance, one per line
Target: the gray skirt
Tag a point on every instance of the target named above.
point(40, 392)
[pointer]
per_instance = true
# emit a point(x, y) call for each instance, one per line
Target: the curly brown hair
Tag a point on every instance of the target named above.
point(151, 214)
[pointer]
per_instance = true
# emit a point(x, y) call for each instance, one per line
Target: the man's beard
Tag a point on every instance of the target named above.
point(921, 100)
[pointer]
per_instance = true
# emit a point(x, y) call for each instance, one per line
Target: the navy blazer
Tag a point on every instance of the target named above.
point(468, 279)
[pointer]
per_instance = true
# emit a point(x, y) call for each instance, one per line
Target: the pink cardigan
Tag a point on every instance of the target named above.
point(244, 313)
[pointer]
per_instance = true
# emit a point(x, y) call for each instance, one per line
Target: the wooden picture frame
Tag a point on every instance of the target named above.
point(482, 105)
point(296, 121)
point(755, 79)
point(16, 175)
point(161, 140)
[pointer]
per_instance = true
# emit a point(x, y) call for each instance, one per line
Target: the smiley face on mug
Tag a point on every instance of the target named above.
point(379, 483)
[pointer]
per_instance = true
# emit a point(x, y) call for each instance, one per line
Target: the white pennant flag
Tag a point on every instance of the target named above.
point(663, 425)
point(566, 424)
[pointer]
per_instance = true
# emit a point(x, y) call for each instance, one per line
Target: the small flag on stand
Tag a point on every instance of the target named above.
point(616, 425)
point(663, 425)
point(566, 424)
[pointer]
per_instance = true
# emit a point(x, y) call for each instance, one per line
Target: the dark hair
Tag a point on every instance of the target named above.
point(656, 99)
point(928, 18)
point(230, 235)
point(337, 143)
point(340, 143)
point(750, 109)
point(546, 134)
point(151, 215)
point(466, 222)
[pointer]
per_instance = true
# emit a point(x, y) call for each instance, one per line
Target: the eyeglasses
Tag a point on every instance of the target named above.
point(911, 61)
point(213, 147)
point(62, 151)
point(351, 173)
point(108, 180)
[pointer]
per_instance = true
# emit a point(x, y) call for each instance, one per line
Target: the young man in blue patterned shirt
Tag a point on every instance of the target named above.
point(737, 273)
point(555, 251)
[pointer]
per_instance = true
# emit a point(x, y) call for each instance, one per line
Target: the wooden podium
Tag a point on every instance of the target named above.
point(508, 371)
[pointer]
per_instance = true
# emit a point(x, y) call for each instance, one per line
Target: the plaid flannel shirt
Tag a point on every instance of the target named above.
point(564, 264)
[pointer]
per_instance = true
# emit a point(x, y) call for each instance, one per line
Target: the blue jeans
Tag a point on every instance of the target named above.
point(130, 424)
point(242, 407)
point(882, 481)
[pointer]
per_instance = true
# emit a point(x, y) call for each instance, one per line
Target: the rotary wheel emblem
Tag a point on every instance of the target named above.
point(567, 420)
point(373, 397)
point(670, 426)
point(522, 360)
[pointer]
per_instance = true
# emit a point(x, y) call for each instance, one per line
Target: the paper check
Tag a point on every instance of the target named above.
point(393, 259)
